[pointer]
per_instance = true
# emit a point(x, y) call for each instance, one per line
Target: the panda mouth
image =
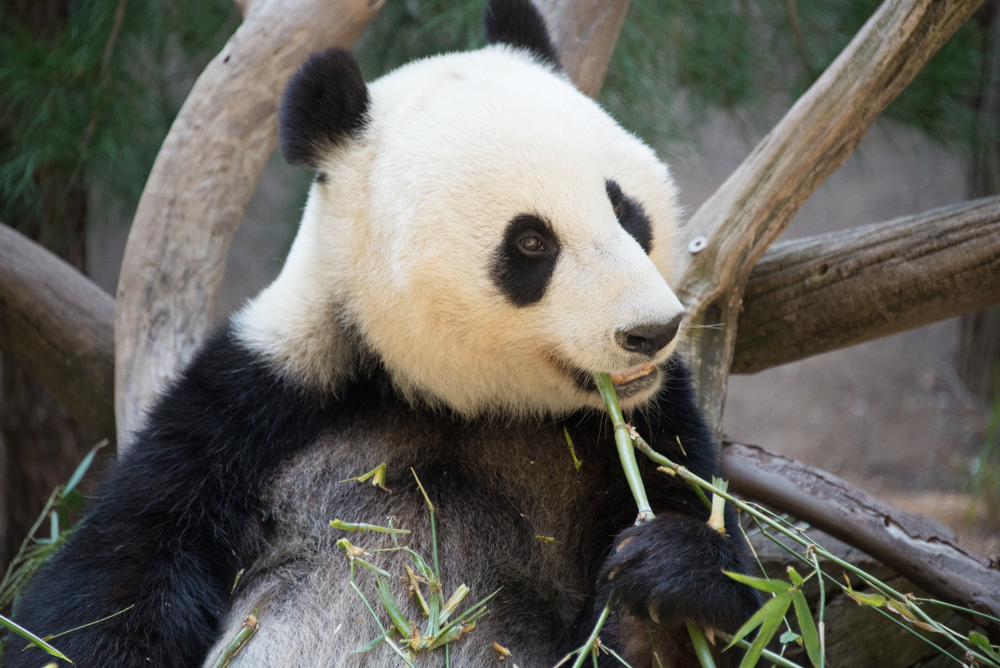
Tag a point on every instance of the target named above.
point(634, 380)
point(627, 383)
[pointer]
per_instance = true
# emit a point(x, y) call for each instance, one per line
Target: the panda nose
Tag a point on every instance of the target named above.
point(649, 339)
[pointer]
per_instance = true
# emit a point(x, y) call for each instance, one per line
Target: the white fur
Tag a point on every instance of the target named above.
point(394, 250)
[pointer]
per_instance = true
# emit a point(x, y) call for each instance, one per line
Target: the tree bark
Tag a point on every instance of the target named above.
point(41, 444)
point(830, 291)
point(818, 133)
point(913, 546)
point(585, 33)
point(203, 177)
point(59, 328)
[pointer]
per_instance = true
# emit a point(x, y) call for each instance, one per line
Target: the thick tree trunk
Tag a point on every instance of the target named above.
point(59, 327)
point(978, 358)
point(42, 445)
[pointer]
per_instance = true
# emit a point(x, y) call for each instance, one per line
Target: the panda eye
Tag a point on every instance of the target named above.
point(523, 262)
point(532, 245)
point(630, 216)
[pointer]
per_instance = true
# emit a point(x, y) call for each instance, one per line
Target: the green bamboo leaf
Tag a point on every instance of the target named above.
point(425, 571)
point(397, 617)
point(872, 600)
point(81, 469)
point(453, 602)
point(810, 637)
point(32, 638)
point(794, 576)
point(983, 643)
point(370, 646)
point(448, 634)
point(790, 636)
point(769, 609)
point(769, 627)
point(772, 586)
point(479, 604)
point(569, 442)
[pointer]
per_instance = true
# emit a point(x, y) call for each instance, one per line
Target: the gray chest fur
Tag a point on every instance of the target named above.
point(495, 487)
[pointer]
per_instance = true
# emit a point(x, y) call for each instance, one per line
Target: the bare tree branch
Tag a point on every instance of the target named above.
point(912, 546)
point(830, 291)
point(585, 33)
point(817, 134)
point(58, 326)
point(200, 184)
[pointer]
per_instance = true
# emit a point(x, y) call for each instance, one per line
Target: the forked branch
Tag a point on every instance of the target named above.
point(818, 133)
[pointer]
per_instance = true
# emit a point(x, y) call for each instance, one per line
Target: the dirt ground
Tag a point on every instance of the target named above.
point(889, 415)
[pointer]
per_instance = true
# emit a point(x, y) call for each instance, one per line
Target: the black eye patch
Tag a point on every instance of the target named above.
point(630, 216)
point(523, 263)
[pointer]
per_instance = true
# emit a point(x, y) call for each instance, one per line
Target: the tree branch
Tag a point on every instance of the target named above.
point(58, 326)
point(830, 291)
point(200, 184)
point(912, 546)
point(817, 134)
point(585, 33)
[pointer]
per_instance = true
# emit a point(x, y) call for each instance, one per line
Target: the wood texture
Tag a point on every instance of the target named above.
point(744, 216)
point(585, 33)
point(913, 546)
point(200, 184)
point(830, 291)
point(58, 326)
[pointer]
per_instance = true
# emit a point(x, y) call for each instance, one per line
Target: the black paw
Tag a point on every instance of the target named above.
point(670, 570)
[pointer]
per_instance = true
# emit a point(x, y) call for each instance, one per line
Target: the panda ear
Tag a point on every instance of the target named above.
point(519, 24)
point(324, 104)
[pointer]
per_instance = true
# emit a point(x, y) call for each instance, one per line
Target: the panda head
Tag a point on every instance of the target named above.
point(477, 226)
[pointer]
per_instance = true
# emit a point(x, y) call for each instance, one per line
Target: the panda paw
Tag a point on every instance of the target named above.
point(670, 570)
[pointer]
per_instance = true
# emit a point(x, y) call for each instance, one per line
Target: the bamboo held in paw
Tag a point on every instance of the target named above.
point(625, 439)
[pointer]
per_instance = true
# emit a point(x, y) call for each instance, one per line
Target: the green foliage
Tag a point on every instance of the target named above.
point(676, 59)
point(404, 31)
point(86, 97)
point(64, 501)
point(939, 101)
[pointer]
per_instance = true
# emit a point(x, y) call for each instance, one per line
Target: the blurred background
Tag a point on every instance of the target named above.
point(88, 90)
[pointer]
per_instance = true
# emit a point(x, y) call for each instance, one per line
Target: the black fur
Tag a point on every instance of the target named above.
point(685, 585)
point(518, 23)
point(184, 512)
point(324, 104)
point(522, 275)
point(167, 533)
point(631, 216)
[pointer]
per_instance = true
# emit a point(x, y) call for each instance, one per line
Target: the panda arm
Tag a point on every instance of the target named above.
point(673, 564)
point(163, 543)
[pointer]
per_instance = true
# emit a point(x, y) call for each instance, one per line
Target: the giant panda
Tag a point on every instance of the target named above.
point(479, 239)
